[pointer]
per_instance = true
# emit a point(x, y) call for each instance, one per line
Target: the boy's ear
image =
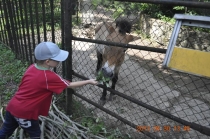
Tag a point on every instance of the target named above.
point(47, 61)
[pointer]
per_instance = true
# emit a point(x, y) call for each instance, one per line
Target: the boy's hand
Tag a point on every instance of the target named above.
point(93, 81)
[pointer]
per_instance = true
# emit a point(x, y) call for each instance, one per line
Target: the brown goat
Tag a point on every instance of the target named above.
point(110, 58)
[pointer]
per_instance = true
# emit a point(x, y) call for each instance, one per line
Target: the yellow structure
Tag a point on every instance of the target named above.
point(190, 61)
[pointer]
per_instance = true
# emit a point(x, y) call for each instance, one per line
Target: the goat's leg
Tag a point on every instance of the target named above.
point(103, 97)
point(99, 62)
point(102, 100)
point(114, 81)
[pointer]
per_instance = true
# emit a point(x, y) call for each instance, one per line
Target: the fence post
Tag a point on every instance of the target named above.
point(68, 45)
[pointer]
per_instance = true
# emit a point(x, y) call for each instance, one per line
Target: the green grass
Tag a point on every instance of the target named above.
point(11, 71)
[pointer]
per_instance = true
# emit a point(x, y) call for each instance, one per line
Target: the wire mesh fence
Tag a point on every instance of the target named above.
point(165, 103)
point(149, 101)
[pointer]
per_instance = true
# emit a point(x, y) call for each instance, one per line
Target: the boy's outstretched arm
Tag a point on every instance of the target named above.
point(81, 83)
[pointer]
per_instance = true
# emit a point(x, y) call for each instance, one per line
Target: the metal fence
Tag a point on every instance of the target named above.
point(150, 102)
point(26, 23)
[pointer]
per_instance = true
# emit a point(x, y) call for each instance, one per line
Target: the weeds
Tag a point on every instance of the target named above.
point(11, 71)
point(96, 125)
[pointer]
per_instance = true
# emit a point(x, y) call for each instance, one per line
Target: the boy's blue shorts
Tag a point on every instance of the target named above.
point(11, 123)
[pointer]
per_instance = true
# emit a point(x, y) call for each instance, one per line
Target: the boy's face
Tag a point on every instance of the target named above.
point(52, 63)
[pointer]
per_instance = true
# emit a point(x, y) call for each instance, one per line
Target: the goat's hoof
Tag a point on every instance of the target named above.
point(102, 102)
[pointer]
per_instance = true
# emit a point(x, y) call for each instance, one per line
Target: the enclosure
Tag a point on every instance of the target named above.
point(150, 101)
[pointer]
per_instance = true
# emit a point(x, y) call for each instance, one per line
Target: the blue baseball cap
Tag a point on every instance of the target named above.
point(49, 50)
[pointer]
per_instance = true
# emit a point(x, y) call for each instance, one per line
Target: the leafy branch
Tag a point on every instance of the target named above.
point(102, 79)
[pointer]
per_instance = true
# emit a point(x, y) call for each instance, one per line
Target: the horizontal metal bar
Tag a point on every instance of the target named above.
point(192, 18)
point(196, 24)
point(138, 47)
point(195, 126)
point(173, 3)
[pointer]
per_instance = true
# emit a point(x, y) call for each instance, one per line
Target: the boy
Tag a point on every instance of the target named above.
point(34, 95)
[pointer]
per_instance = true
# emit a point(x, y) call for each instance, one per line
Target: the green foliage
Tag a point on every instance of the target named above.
point(11, 71)
point(101, 78)
point(76, 20)
point(11, 66)
point(179, 8)
point(160, 11)
point(96, 125)
point(107, 3)
point(87, 119)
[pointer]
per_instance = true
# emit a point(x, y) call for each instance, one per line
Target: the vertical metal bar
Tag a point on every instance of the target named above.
point(1, 31)
point(68, 44)
point(77, 11)
point(73, 7)
point(15, 26)
point(62, 23)
point(173, 40)
point(19, 32)
point(3, 36)
point(23, 30)
point(44, 20)
point(37, 21)
point(28, 33)
point(4, 26)
point(52, 20)
point(62, 38)
point(12, 24)
point(52, 23)
point(32, 25)
point(170, 44)
point(8, 29)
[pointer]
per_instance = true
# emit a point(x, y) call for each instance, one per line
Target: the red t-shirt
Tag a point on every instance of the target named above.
point(34, 95)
